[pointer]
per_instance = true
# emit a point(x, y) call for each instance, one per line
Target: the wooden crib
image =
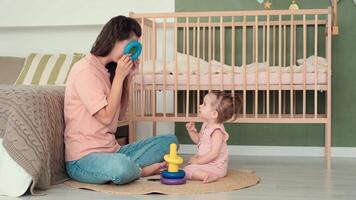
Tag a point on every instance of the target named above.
point(278, 60)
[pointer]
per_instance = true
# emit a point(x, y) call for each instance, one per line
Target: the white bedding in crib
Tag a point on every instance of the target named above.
point(286, 76)
point(216, 67)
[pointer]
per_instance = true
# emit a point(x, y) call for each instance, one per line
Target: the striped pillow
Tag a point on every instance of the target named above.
point(47, 69)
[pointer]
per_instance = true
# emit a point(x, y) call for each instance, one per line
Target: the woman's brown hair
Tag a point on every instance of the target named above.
point(118, 28)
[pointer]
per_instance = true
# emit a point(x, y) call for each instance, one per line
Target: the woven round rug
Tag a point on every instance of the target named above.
point(235, 179)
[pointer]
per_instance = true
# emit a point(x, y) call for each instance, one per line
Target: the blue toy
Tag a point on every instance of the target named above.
point(134, 48)
point(173, 175)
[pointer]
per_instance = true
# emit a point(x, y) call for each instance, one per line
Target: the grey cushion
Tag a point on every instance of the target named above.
point(10, 68)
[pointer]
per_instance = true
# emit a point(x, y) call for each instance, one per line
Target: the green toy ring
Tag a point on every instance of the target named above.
point(134, 48)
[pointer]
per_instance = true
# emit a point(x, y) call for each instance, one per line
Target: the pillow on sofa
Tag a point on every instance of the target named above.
point(14, 179)
point(47, 69)
point(10, 68)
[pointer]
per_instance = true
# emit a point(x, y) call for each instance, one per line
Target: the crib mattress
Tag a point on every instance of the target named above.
point(285, 78)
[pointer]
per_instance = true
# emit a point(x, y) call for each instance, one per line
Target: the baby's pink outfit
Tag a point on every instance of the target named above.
point(218, 166)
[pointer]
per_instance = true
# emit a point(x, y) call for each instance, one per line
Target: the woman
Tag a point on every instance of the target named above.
point(96, 95)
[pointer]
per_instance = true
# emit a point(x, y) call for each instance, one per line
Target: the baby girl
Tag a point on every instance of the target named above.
point(211, 162)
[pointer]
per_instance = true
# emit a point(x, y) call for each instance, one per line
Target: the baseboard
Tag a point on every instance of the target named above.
point(246, 150)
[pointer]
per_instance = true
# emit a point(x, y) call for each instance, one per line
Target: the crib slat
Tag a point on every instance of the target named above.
point(154, 69)
point(274, 102)
point(184, 102)
point(194, 41)
point(256, 66)
point(164, 67)
point(143, 38)
point(184, 39)
point(253, 49)
point(233, 59)
point(279, 66)
point(132, 113)
point(209, 53)
point(198, 44)
point(264, 44)
point(142, 106)
point(294, 63)
point(295, 45)
point(222, 53)
point(315, 67)
point(149, 41)
point(147, 101)
point(154, 41)
point(188, 68)
point(244, 44)
point(268, 62)
point(291, 65)
point(213, 41)
point(194, 55)
point(284, 63)
point(193, 102)
point(274, 46)
point(175, 68)
point(285, 46)
point(204, 43)
point(263, 102)
point(304, 65)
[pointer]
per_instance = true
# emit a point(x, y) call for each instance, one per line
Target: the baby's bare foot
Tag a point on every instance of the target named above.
point(210, 178)
point(153, 169)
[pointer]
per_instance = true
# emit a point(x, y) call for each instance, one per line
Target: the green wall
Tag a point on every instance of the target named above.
point(343, 81)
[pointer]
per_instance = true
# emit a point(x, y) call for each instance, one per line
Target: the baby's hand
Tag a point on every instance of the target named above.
point(193, 159)
point(191, 127)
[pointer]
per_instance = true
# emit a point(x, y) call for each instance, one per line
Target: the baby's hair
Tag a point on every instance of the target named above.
point(227, 106)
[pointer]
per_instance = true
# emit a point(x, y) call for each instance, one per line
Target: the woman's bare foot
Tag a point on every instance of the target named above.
point(210, 178)
point(153, 169)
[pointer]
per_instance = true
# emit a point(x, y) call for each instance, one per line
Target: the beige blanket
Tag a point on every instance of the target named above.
point(32, 127)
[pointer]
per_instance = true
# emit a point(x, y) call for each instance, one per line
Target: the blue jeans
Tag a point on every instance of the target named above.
point(123, 166)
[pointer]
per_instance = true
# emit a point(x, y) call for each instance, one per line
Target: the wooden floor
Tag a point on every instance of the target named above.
point(282, 178)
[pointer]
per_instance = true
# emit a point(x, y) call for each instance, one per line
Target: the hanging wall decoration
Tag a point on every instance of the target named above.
point(293, 6)
point(267, 4)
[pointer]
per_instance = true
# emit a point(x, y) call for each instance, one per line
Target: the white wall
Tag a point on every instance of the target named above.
point(62, 26)
point(68, 26)
point(73, 12)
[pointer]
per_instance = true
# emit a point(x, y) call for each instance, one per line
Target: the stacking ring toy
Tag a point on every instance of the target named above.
point(173, 175)
point(173, 181)
point(134, 48)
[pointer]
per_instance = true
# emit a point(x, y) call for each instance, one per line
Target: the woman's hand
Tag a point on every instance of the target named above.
point(134, 69)
point(124, 66)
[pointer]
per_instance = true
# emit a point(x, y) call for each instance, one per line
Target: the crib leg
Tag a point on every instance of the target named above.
point(132, 132)
point(327, 145)
point(154, 128)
